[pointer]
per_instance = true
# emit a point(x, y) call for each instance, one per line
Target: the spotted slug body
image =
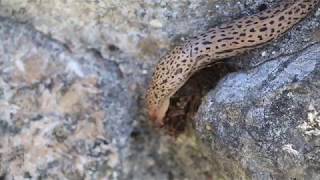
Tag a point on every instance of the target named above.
point(227, 40)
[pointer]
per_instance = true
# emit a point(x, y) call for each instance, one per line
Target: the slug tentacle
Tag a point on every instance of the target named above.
point(224, 41)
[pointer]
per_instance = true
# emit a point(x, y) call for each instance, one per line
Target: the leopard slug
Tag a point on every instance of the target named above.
point(217, 43)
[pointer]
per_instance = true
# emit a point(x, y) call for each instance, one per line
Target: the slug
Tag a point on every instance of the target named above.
point(227, 40)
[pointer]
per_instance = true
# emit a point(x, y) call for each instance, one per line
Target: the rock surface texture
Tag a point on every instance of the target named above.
point(267, 120)
point(73, 76)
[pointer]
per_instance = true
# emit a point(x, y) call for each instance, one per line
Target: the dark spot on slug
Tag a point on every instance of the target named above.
point(281, 18)
point(207, 43)
point(263, 29)
point(178, 71)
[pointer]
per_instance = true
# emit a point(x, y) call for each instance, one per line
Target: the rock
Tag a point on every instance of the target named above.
point(73, 76)
point(77, 115)
point(266, 121)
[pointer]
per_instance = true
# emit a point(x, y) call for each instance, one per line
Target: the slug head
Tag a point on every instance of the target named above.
point(170, 74)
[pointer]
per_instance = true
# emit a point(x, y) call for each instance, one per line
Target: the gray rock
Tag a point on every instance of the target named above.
point(267, 120)
point(67, 115)
point(73, 75)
